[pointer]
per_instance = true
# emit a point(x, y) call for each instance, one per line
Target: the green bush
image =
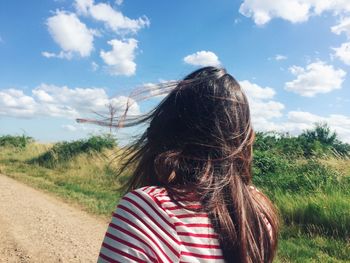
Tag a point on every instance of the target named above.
point(321, 141)
point(63, 152)
point(268, 162)
point(296, 176)
point(279, 143)
point(15, 141)
point(317, 142)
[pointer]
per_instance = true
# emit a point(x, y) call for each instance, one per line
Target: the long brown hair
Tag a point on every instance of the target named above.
point(198, 143)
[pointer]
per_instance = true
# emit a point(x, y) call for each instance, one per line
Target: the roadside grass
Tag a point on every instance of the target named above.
point(297, 246)
point(86, 180)
point(61, 153)
point(326, 214)
point(312, 195)
point(313, 199)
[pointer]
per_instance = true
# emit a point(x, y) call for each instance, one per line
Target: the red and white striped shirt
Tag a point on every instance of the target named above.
point(148, 227)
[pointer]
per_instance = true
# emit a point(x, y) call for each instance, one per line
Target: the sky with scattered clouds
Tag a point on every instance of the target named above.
point(61, 60)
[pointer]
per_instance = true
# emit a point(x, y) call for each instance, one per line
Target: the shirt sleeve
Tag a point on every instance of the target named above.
point(140, 231)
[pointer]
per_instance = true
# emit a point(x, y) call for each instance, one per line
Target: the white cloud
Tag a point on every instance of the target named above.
point(112, 18)
point(280, 57)
point(295, 70)
point(262, 106)
point(317, 77)
point(94, 66)
point(255, 91)
point(14, 103)
point(120, 60)
point(266, 109)
point(81, 128)
point(55, 101)
point(69, 127)
point(299, 117)
point(65, 55)
point(202, 58)
point(343, 52)
point(266, 113)
point(335, 6)
point(160, 89)
point(294, 11)
point(62, 99)
point(42, 95)
point(83, 6)
point(343, 26)
point(297, 121)
point(121, 102)
point(70, 34)
point(262, 11)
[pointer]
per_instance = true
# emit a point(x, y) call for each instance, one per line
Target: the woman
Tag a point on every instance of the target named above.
point(190, 195)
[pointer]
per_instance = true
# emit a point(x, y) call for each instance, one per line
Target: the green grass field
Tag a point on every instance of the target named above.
point(312, 195)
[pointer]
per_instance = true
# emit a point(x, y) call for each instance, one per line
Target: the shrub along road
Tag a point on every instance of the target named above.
point(35, 227)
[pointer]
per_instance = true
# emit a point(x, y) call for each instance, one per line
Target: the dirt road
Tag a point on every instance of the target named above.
point(35, 227)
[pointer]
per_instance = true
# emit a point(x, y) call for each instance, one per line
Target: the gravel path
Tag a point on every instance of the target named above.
point(35, 227)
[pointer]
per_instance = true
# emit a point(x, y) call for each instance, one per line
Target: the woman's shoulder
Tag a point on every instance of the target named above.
point(158, 198)
point(153, 194)
point(152, 191)
point(149, 200)
point(140, 230)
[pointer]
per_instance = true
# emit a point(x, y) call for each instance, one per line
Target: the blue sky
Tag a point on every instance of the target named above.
point(60, 59)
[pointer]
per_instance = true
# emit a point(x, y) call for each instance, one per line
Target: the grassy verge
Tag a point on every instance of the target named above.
point(297, 246)
point(312, 195)
point(87, 181)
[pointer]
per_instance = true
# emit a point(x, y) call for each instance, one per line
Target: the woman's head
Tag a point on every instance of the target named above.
point(205, 117)
point(198, 144)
